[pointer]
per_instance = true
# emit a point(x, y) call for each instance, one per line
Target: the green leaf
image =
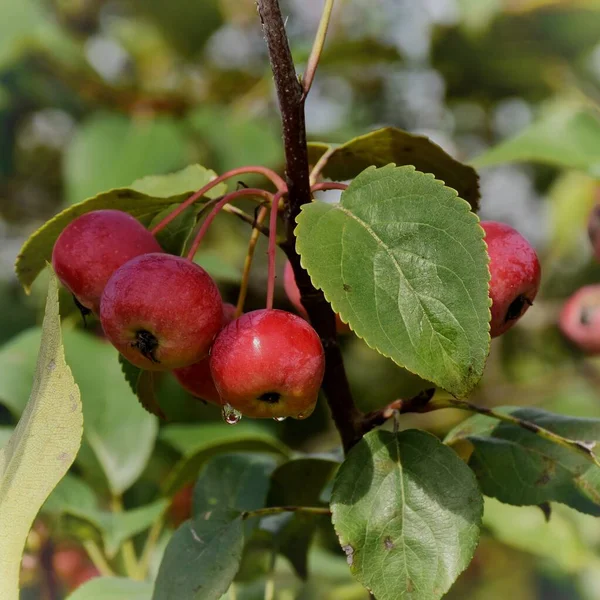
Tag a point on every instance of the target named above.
point(198, 443)
point(175, 236)
point(526, 529)
point(20, 19)
point(142, 385)
point(131, 373)
point(235, 481)
point(299, 482)
point(119, 431)
point(401, 259)
point(72, 493)
point(391, 145)
point(111, 150)
point(407, 511)
point(113, 588)
point(37, 250)
point(42, 448)
point(518, 467)
point(565, 136)
point(202, 558)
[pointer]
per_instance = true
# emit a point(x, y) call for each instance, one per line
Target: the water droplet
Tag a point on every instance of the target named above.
point(279, 419)
point(301, 416)
point(231, 416)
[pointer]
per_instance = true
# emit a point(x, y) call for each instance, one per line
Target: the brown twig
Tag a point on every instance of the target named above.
point(291, 97)
point(378, 417)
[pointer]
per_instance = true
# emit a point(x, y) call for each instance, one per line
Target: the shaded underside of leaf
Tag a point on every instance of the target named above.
point(391, 145)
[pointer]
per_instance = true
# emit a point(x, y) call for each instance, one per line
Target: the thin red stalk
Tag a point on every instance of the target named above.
point(328, 185)
point(268, 173)
point(215, 211)
point(272, 248)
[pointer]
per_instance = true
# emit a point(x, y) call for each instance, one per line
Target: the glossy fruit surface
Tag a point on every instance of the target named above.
point(161, 311)
point(515, 275)
point(580, 318)
point(93, 246)
point(268, 363)
point(293, 294)
point(197, 378)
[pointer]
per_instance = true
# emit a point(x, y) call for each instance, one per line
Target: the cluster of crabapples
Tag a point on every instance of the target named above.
point(580, 318)
point(165, 313)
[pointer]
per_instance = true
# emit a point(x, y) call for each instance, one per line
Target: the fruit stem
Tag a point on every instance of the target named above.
point(150, 545)
point(268, 173)
point(277, 510)
point(215, 211)
point(127, 550)
point(328, 185)
point(98, 559)
point(262, 214)
point(272, 249)
point(317, 49)
point(321, 163)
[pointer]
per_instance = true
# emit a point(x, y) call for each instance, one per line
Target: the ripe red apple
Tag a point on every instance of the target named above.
point(161, 311)
point(93, 246)
point(515, 275)
point(293, 294)
point(580, 318)
point(197, 378)
point(268, 364)
point(180, 509)
point(73, 567)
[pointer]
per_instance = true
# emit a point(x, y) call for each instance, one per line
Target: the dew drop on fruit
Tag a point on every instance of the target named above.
point(279, 419)
point(231, 416)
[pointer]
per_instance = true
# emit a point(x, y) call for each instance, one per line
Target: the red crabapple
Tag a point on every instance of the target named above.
point(161, 311)
point(196, 378)
point(293, 294)
point(515, 275)
point(580, 318)
point(268, 363)
point(93, 246)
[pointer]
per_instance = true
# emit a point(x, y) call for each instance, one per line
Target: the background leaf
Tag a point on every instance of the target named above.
point(565, 136)
point(402, 260)
point(407, 511)
point(202, 558)
point(113, 588)
point(42, 447)
point(391, 145)
point(111, 150)
point(518, 467)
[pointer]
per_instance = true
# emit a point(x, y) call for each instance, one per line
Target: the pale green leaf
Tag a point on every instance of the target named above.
point(5, 433)
point(113, 588)
point(37, 250)
point(391, 145)
point(202, 558)
point(407, 512)
point(402, 259)
point(41, 449)
point(565, 136)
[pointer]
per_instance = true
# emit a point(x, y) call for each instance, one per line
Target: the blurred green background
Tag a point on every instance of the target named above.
point(95, 94)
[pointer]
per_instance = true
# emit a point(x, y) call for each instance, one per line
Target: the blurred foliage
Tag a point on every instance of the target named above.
point(96, 94)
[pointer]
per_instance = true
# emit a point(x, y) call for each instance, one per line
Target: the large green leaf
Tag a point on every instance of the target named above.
point(42, 448)
point(144, 198)
point(111, 150)
point(113, 588)
point(401, 259)
point(236, 481)
point(565, 136)
point(200, 442)
point(391, 145)
point(407, 511)
point(518, 467)
point(202, 558)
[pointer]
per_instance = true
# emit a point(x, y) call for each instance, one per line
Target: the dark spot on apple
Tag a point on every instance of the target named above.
point(147, 344)
point(516, 308)
point(270, 397)
point(585, 317)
